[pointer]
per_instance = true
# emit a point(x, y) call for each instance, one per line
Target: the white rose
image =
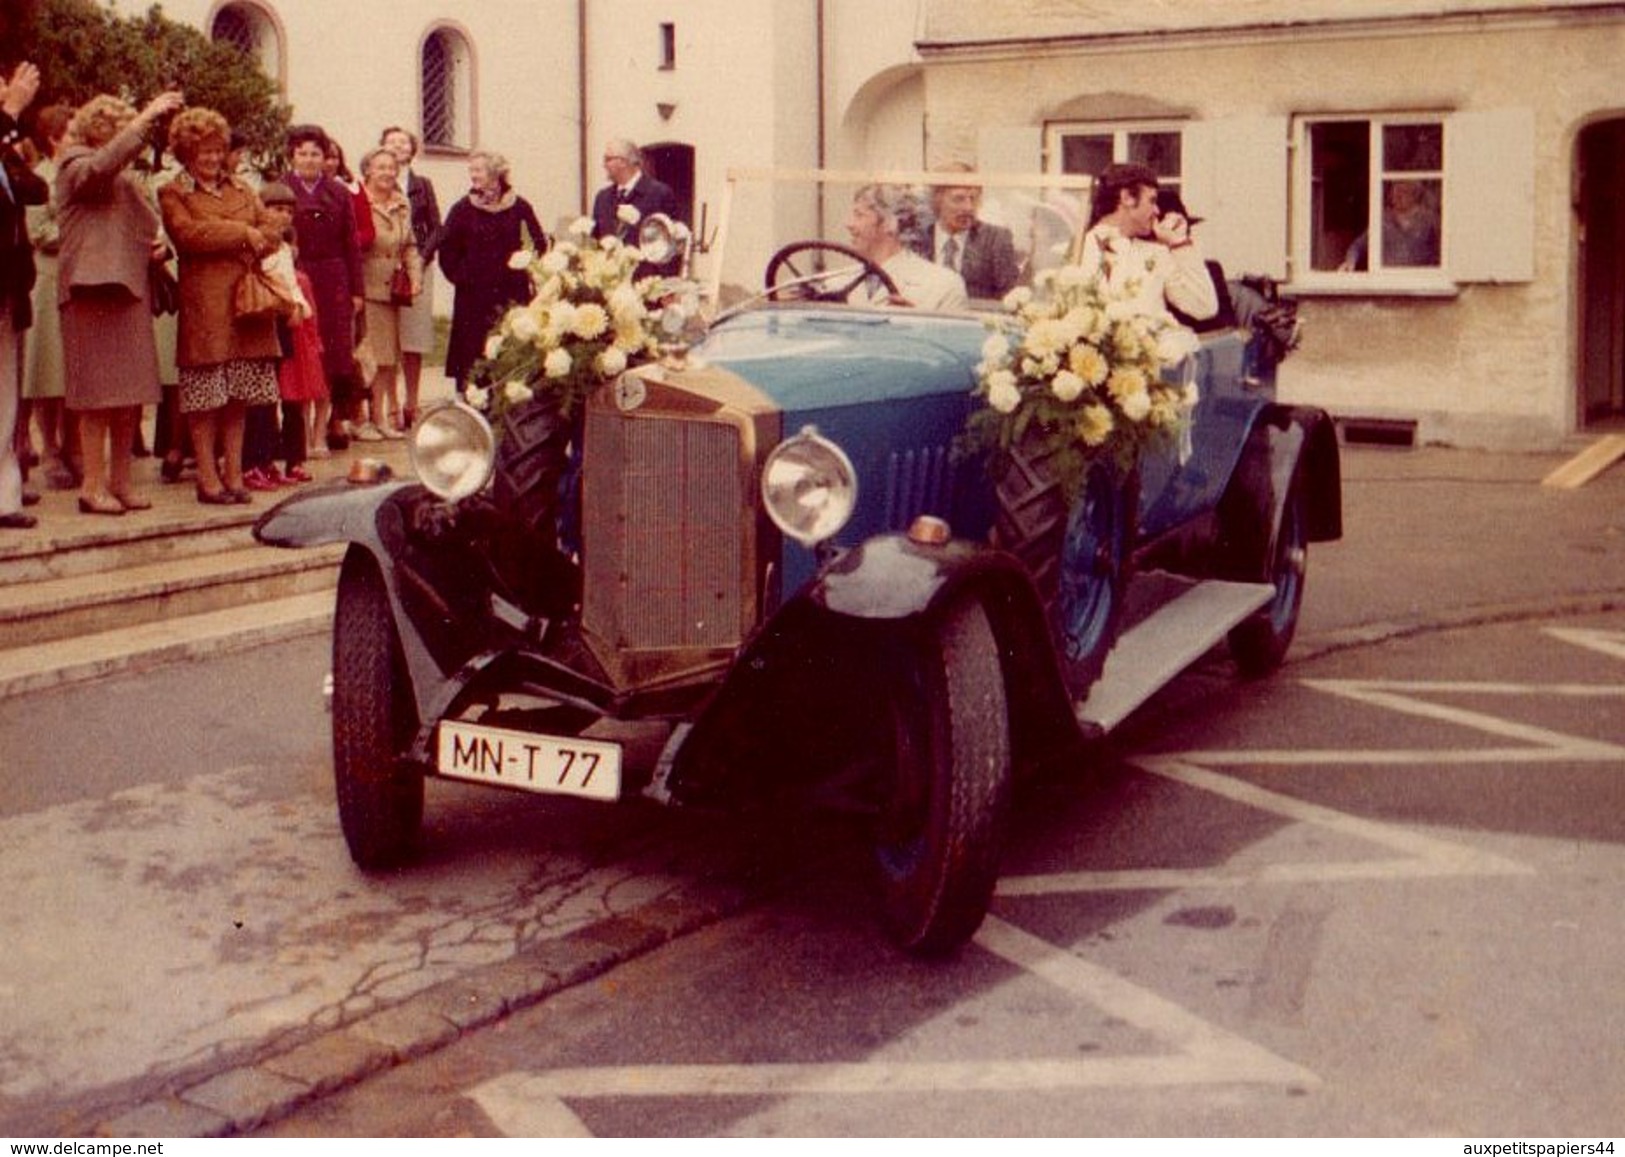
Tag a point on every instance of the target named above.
point(557, 364)
point(628, 214)
point(581, 227)
point(515, 392)
point(554, 262)
point(1175, 343)
point(1136, 406)
point(519, 259)
point(1066, 386)
point(1002, 393)
point(523, 325)
point(477, 396)
point(611, 362)
point(1017, 297)
point(493, 345)
point(996, 348)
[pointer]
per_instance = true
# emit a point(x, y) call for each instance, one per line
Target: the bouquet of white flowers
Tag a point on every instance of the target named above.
point(1073, 371)
point(588, 321)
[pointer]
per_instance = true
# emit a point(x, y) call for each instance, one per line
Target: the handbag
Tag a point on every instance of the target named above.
point(257, 296)
point(163, 291)
point(400, 286)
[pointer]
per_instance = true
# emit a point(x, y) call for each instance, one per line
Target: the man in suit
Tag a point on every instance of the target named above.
point(630, 185)
point(983, 254)
point(19, 187)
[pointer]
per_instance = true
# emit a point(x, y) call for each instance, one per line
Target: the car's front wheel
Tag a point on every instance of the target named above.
point(380, 795)
point(942, 828)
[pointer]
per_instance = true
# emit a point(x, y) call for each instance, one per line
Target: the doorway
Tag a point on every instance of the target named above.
point(1600, 205)
point(673, 164)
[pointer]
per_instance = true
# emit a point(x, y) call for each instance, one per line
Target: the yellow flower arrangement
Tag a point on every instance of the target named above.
point(1073, 371)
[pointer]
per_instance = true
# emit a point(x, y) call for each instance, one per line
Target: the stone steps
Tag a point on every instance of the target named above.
point(84, 596)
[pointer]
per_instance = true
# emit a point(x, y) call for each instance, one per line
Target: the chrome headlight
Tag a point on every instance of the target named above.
point(809, 487)
point(453, 451)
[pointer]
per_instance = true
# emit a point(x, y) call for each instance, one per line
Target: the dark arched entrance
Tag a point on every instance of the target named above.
point(674, 164)
point(1600, 201)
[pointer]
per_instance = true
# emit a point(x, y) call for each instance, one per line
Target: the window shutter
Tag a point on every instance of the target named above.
point(1235, 178)
point(1489, 195)
point(1010, 149)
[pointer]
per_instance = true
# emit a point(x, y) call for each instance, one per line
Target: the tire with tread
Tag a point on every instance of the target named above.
point(532, 456)
point(380, 795)
point(1078, 556)
point(939, 839)
point(1259, 643)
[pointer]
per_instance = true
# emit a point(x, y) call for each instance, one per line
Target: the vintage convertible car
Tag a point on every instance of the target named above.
point(766, 545)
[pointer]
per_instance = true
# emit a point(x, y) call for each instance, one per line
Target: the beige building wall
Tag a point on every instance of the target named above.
point(1487, 364)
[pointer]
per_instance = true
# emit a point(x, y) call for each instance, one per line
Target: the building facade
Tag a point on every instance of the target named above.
point(1438, 182)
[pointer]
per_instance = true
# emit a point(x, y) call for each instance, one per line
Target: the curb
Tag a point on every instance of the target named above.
point(231, 1096)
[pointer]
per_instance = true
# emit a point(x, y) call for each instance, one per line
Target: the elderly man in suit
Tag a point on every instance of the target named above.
point(630, 185)
point(983, 254)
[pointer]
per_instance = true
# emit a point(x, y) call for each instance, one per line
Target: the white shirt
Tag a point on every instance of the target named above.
point(923, 284)
point(1150, 272)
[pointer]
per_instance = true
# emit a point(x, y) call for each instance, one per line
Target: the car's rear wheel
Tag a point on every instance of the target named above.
point(1259, 644)
point(940, 834)
point(380, 795)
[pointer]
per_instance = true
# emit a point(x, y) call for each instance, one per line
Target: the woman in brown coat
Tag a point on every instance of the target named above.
point(109, 233)
point(220, 230)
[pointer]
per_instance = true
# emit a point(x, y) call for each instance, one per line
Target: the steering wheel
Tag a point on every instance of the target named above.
point(785, 280)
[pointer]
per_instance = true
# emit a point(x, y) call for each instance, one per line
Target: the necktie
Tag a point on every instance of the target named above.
point(950, 252)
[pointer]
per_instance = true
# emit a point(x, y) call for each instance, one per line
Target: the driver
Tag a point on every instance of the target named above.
point(875, 226)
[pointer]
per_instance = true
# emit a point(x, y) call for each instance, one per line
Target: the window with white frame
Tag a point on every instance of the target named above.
point(446, 77)
point(1089, 148)
point(1375, 190)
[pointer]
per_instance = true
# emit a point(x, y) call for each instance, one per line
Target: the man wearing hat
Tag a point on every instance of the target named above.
point(1170, 205)
point(1133, 241)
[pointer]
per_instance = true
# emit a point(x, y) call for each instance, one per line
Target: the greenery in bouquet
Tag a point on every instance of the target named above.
point(589, 319)
point(1074, 371)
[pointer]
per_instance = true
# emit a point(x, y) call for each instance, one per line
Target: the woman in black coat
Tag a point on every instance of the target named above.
point(482, 231)
point(330, 255)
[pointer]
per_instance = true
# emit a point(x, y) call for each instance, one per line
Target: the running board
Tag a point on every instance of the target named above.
point(1163, 645)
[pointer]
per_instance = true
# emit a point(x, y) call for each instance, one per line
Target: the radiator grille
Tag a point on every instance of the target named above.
point(663, 533)
point(918, 481)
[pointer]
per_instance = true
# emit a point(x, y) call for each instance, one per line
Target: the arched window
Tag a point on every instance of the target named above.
point(446, 72)
point(251, 30)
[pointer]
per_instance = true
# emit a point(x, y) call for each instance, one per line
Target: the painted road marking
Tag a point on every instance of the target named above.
point(533, 1104)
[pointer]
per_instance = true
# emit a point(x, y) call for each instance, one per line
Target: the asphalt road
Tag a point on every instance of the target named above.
point(1377, 896)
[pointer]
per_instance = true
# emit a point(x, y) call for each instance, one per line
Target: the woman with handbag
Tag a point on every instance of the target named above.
point(391, 275)
point(109, 234)
point(227, 358)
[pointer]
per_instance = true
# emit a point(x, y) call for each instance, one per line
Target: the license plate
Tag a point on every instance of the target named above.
point(521, 759)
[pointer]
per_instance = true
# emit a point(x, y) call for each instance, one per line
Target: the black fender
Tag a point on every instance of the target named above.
point(372, 519)
point(800, 702)
point(1284, 443)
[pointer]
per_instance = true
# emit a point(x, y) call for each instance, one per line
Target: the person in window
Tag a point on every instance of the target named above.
point(983, 255)
point(1170, 204)
point(881, 216)
point(1145, 253)
point(1410, 230)
point(632, 189)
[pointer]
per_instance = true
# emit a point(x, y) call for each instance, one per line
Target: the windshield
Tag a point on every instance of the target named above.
point(931, 240)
